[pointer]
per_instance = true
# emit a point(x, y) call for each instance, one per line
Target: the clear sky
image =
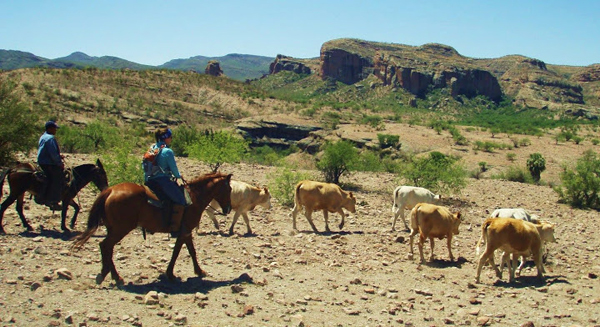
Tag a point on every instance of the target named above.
point(152, 32)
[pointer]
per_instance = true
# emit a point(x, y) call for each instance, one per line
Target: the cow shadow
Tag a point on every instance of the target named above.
point(331, 233)
point(439, 263)
point(191, 285)
point(531, 281)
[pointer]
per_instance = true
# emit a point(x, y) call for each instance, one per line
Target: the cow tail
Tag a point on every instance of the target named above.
point(95, 218)
point(414, 214)
point(394, 206)
point(2, 178)
point(483, 238)
point(297, 195)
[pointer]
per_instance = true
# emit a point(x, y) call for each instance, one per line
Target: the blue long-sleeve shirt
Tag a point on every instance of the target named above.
point(166, 162)
point(48, 151)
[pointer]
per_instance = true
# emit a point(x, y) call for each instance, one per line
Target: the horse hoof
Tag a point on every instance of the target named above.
point(29, 228)
point(99, 279)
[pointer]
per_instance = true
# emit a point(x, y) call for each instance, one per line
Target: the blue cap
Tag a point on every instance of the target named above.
point(166, 134)
point(51, 123)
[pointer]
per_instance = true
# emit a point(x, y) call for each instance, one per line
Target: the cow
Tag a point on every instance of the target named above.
point(431, 221)
point(315, 196)
point(546, 231)
point(244, 198)
point(512, 236)
point(518, 213)
point(406, 197)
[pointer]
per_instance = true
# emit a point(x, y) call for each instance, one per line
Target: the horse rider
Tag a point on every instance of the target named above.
point(51, 162)
point(163, 181)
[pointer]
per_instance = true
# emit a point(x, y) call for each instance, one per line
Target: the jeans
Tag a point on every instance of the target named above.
point(166, 189)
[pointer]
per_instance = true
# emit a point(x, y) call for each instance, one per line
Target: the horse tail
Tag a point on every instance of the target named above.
point(95, 217)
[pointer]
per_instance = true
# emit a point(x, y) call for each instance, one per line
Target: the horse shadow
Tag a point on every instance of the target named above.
point(190, 286)
point(49, 233)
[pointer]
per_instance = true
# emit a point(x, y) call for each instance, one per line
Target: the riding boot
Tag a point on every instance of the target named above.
point(176, 217)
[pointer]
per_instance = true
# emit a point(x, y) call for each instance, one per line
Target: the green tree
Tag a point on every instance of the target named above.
point(18, 124)
point(581, 186)
point(338, 158)
point(282, 183)
point(217, 148)
point(536, 165)
point(436, 172)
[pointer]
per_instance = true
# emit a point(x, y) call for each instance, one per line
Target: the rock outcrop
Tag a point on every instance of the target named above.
point(282, 63)
point(213, 68)
point(344, 66)
point(279, 135)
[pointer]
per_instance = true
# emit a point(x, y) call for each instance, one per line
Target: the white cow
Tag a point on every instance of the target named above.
point(407, 197)
point(517, 213)
point(244, 198)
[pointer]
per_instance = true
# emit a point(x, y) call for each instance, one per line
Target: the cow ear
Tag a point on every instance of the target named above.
point(459, 216)
point(351, 194)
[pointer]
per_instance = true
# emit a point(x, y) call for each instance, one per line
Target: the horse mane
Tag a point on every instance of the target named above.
point(206, 178)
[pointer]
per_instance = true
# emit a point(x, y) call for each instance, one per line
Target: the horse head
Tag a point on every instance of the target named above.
point(223, 194)
point(100, 178)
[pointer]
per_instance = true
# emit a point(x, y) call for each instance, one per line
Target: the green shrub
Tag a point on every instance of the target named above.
point(217, 148)
point(19, 128)
point(282, 184)
point(436, 172)
point(338, 158)
point(511, 156)
point(388, 141)
point(369, 161)
point(536, 165)
point(123, 165)
point(93, 137)
point(268, 156)
point(185, 137)
point(515, 174)
point(581, 186)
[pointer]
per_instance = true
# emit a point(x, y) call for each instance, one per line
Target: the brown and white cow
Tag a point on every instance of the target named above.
point(431, 221)
point(406, 197)
point(513, 236)
point(244, 198)
point(328, 197)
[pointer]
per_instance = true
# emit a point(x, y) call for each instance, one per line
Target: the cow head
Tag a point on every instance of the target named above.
point(457, 220)
point(350, 202)
point(266, 196)
point(546, 230)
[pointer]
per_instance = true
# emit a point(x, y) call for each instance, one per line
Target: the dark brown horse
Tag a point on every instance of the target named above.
point(123, 207)
point(22, 178)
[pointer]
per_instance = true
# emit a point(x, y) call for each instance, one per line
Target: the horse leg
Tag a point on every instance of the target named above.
point(106, 249)
point(189, 243)
point(3, 208)
point(21, 214)
point(64, 214)
point(174, 256)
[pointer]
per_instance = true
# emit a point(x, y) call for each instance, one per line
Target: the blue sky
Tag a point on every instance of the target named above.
point(153, 32)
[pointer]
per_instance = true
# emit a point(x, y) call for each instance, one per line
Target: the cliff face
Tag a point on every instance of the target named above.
point(345, 66)
point(282, 63)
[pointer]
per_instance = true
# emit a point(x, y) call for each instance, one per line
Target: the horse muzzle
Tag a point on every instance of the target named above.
point(227, 210)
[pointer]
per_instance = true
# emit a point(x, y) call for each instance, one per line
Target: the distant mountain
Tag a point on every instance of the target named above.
point(235, 66)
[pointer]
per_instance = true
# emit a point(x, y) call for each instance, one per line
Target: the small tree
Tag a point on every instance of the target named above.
point(282, 183)
point(581, 186)
point(536, 165)
point(338, 158)
point(216, 148)
point(436, 172)
point(18, 129)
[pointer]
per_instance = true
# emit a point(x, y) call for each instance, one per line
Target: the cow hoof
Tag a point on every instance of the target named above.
point(410, 256)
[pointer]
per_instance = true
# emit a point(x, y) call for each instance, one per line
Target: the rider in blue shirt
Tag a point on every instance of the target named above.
point(163, 180)
point(50, 160)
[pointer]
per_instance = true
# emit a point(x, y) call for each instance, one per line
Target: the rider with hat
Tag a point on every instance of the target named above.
point(163, 181)
point(50, 160)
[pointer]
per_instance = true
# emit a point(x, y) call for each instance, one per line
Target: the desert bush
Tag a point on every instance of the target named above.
point(388, 141)
point(93, 137)
point(122, 164)
point(186, 136)
point(217, 148)
point(282, 184)
point(511, 156)
point(488, 146)
point(536, 165)
point(369, 161)
point(338, 158)
point(19, 128)
point(515, 174)
point(268, 156)
point(581, 185)
point(436, 172)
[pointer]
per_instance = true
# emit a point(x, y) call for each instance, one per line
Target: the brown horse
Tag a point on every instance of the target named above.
point(123, 207)
point(22, 178)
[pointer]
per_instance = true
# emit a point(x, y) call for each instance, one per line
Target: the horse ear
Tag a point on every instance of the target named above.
point(99, 164)
point(229, 177)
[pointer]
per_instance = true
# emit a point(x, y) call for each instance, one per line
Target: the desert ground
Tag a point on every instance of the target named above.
point(359, 276)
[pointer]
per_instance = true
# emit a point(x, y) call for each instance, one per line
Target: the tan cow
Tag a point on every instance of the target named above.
point(431, 221)
point(513, 236)
point(244, 198)
point(546, 231)
point(328, 197)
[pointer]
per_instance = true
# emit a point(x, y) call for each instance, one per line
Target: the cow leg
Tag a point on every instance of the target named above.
point(399, 211)
point(488, 254)
point(413, 232)
point(189, 244)
point(75, 213)
point(521, 265)
point(212, 217)
point(432, 244)
point(421, 241)
point(247, 221)
point(326, 216)
point(341, 212)
point(236, 216)
point(511, 268)
point(449, 243)
point(537, 258)
point(294, 214)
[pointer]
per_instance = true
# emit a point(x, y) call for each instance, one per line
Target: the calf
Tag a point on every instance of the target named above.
point(406, 197)
point(430, 221)
point(328, 197)
point(546, 231)
point(244, 198)
point(512, 236)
